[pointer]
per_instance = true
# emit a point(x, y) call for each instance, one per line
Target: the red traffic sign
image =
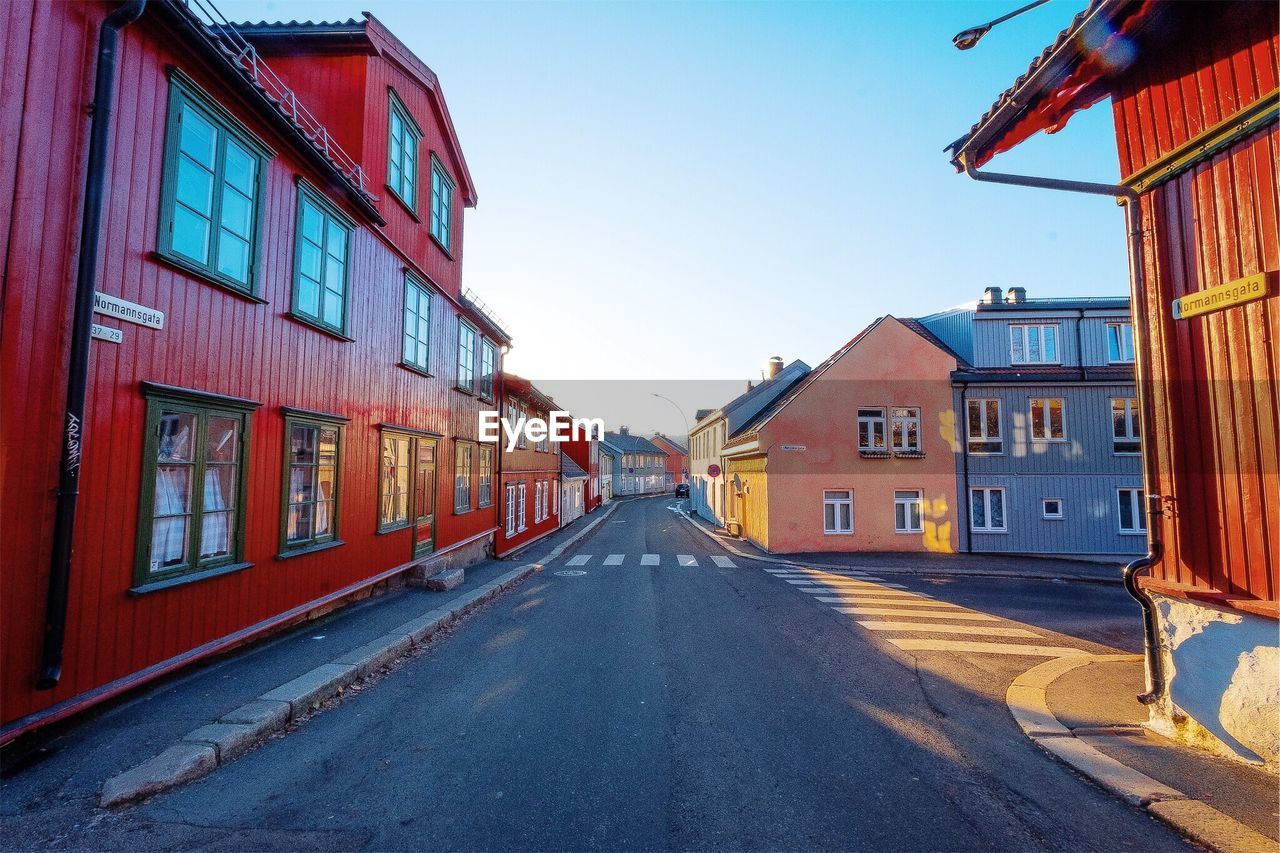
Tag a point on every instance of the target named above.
point(713, 470)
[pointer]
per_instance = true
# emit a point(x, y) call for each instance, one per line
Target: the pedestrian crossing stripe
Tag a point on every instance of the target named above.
point(613, 560)
point(943, 628)
point(897, 599)
point(686, 560)
point(847, 584)
point(922, 614)
point(580, 560)
point(924, 645)
point(649, 559)
point(723, 562)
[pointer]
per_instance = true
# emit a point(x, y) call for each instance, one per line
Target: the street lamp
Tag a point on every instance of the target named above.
point(968, 38)
point(687, 430)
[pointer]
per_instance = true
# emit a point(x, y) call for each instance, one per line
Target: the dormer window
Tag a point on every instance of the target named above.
point(1120, 343)
point(441, 204)
point(402, 159)
point(1036, 344)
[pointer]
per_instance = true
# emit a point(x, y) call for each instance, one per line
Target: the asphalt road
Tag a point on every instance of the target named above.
point(677, 707)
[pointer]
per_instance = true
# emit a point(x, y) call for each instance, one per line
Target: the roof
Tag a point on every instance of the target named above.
point(628, 443)
point(518, 386)
point(371, 35)
point(702, 413)
point(570, 469)
point(675, 445)
point(1070, 75)
point(925, 332)
point(1078, 303)
point(741, 409)
point(1041, 374)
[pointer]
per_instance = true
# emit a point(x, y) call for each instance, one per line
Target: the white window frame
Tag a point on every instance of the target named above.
point(873, 421)
point(904, 421)
point(1044, 509)
point(836, 503)
point(1120, 343)
point(917, 501)
point(1048, 437)
point(987, 492)
point(510, 491)
point(522, 492)
point(1022, 334)
point(1137, 499)
point(1132, 432)
point(983, 437)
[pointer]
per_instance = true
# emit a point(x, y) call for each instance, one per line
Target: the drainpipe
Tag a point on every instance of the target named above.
point(64, 524)
point(964, 452)
point(1156, 686)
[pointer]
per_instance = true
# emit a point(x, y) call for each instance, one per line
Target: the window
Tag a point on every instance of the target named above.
point(194, 484)
point(906, 430)
point(520, 496)
point(871, 429)
point(320, 265)
point(462, 478)
point(466, 357)
point(441, 203)
point(393, 509)
point(213, 185)
point(488, 368)
point(1033, 344)
point(986, 510)
point(907, 512)
point(511, 509)
point(485, 490)
point(1133, 510)
point(555, 499)
point(522, 440)
point(417, 324)
point(1052, 507)
point(402, 160)
point(837, 511)
point(311, 482)
point(1120, 343)
point(984, 427)
point(546, 499)
point(1124, 425)
point(1046, 419)
point(537, 502)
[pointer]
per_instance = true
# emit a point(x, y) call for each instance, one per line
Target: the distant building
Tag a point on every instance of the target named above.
point(639, 467)
point(573, 485)
point(608, 465)
point(529, 478)
point(677, 461)
point(586, 453)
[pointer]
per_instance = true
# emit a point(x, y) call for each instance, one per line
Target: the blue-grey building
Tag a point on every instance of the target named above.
point(640, 465)
point(1049, 453)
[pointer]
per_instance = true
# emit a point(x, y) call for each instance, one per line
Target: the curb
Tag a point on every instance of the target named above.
point(1195, 819)
point(208, 747)
point(894, 570)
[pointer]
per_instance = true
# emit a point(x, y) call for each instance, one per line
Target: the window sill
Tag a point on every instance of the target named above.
point(462, 510)
point(189, 577)
point(909, 454)
point(205, 276)
point(469, 392)
point(484, 506)
point(981, 453)
point(309, 549)
point(908, 532)
point(307, 321)
point(874, 454)
point(1133, 533)
point(837, 533)
point(441, 246)
point(982, 530)
point(413, 368)
point(404, 205)
point(1050, 440)
point(393, 529)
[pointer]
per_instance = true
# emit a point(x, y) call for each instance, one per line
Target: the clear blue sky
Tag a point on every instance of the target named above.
point(683, 189)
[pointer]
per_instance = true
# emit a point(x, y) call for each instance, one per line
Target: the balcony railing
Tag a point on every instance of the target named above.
point(475, 302)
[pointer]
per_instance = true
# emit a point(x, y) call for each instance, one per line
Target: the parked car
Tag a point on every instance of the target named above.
point(682, 490)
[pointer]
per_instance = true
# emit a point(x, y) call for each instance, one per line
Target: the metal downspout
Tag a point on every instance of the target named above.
point(64, 524)
point(964, 452)
point(1155, 667)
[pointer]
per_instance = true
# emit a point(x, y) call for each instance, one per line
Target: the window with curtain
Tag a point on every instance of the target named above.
point(462, 478)
point(311, 482)
point(986, 510)
point(395, 481)
point(212, 190)
point(193, 485)
point(320, 263)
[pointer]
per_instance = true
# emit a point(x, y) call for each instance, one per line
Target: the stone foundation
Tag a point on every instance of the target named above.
point(458, 558)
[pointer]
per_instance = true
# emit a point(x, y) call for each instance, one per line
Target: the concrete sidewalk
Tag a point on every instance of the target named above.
point(1085, 712)
point(73, 760)
point(938, 565)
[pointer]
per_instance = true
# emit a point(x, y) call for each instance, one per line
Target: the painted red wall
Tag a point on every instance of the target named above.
point(587, 454)
point(529, 466)
point(213, 341)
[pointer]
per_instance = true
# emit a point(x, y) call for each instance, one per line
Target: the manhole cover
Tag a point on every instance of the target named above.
point(570, 573)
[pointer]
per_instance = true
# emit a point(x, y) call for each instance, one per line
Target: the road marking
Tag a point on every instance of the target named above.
point(686, 560)
point(924, 614)
point(649, 559)
point(818, 575)
point(723, 562)
point(896, 599)
point(942, 628)
point(846, 583)
point(780, 571)
point(580, 560)
point(915, 645)
point(613, 560)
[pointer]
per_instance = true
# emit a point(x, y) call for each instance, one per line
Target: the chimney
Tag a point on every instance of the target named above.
point(991, 296)
point(624, 430)
point(1016, 295)
point(749, 385)
point(774, 367)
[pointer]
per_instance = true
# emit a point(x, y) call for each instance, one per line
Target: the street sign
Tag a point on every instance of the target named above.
point(105, 333)
point(713, 470)
point(798, 448)
point(130, 312)
point(1219, 298)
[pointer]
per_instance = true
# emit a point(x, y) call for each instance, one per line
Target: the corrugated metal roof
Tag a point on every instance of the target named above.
point(628, 443)
point(571, 469)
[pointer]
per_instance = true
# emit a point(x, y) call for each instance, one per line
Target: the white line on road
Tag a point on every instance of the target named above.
point(889, 597)
point(923, 614)
point(580, 560)
point(686, 560)
point(613, 560)
point(649, 559)
point(723, 562)
point(914, 645)
point(810, 586)
point(942, 628)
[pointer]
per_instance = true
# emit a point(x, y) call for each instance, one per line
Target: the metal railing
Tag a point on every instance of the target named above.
point(474, 301)
point(222, 34)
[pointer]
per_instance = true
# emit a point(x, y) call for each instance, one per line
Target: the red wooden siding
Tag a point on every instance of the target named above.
point(213, 340)
point(528, 465)
point(1216, 433)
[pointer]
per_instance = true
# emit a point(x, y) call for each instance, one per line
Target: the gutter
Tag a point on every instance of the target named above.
point(1157, 685)
point(64, 522)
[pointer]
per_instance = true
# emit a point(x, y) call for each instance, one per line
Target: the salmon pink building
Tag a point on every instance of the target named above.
point(857, 456)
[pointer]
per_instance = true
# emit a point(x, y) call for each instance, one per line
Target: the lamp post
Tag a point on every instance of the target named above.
point(968, 38)
point(687, 430)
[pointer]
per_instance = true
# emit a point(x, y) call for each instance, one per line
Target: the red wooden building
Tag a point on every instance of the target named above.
point(285, 379)
point(529, 494)
point(1193, 89)
point(586, 453)
point(677, 461)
